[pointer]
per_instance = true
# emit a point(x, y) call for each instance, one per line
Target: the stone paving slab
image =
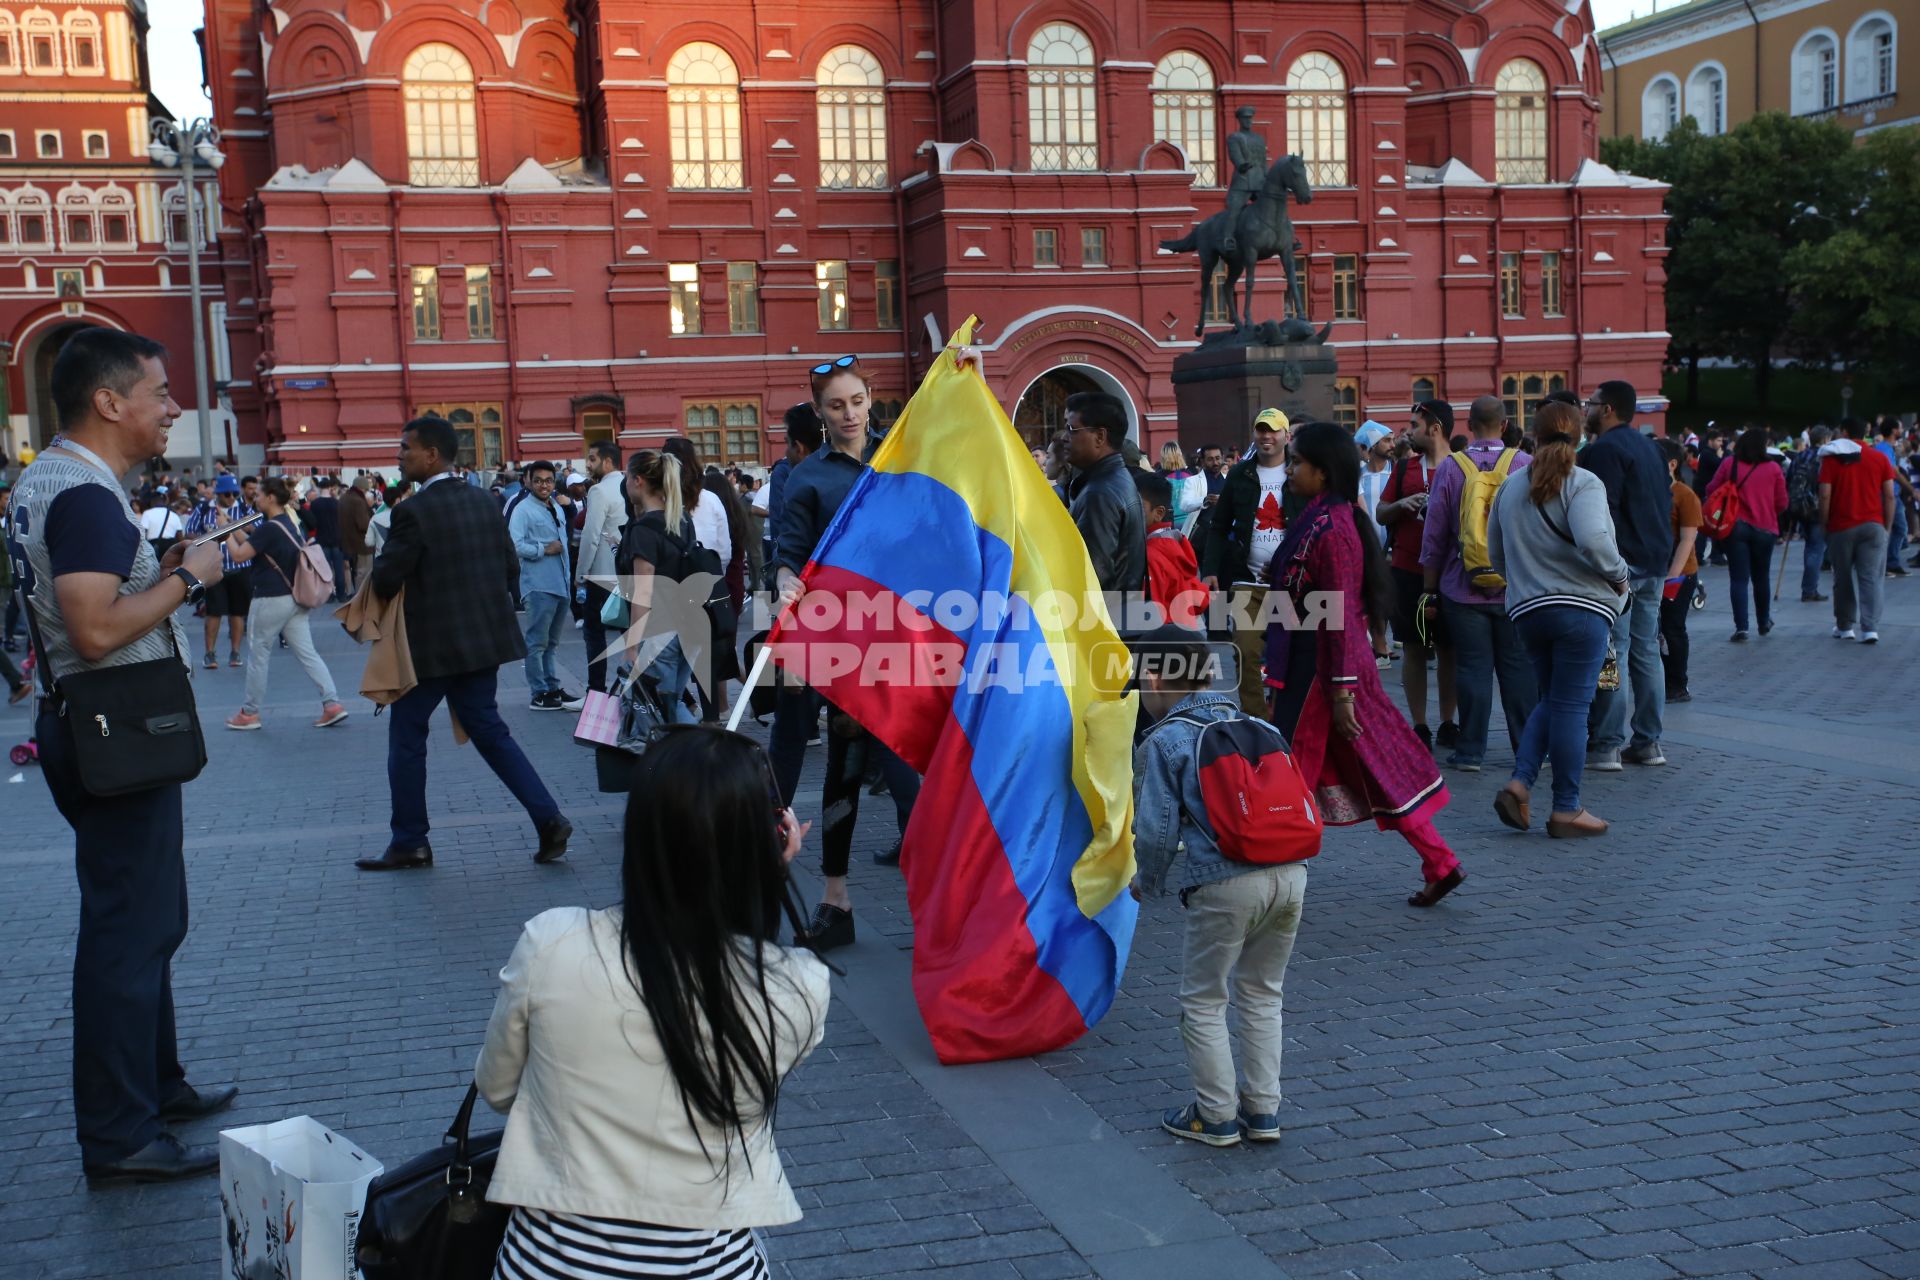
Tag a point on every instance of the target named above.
point(1687, 1050)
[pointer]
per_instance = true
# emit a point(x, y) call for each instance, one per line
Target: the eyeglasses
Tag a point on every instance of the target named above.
point(834, 366)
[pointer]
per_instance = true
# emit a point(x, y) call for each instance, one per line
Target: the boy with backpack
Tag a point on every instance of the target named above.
point(1220, 785)
point(1173, 570)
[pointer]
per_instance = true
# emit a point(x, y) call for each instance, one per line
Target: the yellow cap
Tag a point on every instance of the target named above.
point(1272, 419)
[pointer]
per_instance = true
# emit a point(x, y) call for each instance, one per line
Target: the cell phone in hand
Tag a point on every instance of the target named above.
point(227, 531)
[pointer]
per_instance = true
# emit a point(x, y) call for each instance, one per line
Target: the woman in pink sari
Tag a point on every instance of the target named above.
point(1352, 744)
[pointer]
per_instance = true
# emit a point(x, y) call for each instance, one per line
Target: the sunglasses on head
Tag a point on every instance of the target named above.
point(834, 366)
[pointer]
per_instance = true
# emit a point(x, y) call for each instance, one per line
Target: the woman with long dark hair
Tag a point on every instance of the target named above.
point(276, 544)
point(1550, 535)
point(638, 1051)
point(1351, 743)
point(1762, 487)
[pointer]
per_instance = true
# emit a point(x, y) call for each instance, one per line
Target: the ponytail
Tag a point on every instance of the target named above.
point(661, 473)
point(1556, 425)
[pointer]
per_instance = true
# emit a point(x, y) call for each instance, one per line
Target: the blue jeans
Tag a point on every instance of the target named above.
point(1642, 695)
point(1749, 561)
point(1485, 642)
point(1567, 645)
point(1897, 542)
point(547, 619)
point(1811, 560)
point(471, 697)
point(671, 674)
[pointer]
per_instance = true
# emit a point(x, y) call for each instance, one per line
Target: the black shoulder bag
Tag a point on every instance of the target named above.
point(431, 1218)
point(134, 727)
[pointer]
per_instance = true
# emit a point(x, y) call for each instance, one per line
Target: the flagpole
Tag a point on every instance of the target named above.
point(746, 690)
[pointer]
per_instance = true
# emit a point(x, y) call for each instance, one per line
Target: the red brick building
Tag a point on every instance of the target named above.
point(92, 232)
point(561, 220)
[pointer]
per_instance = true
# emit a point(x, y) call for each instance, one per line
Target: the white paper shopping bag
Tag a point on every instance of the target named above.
point(291, 1195)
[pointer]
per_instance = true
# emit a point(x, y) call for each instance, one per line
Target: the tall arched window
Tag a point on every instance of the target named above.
point(83, 43)
point(1520, 123)
point(1816, 73)
point(40, 43)
point(1317, 118)
point(1871, 58)
point(703, 118)
point(1062, 121)
point(1707, 98)
point(1184, 110)
point(1659, 108)
point(852, 104)
point(443, 142)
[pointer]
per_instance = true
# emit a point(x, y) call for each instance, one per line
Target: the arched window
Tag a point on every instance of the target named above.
point(1317, 118)
point(852, 104)
point(40, 43)
point(79, 218)
point(9, 45)
point(443, 142)
point(703, 117)
point(1816, 74)
point(1659, 108)
point(1520, 123)
point(1707, 98)
point(1184, 110)
point(116, 217)
point(32, 219)
point(1062, 121)
point(1871, 58)
point(174, 210)
point(83, 42)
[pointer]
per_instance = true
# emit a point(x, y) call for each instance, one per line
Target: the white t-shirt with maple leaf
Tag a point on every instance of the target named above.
point(1269, 522)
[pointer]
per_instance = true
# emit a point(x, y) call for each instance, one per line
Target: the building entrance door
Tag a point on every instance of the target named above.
point(1042, 411)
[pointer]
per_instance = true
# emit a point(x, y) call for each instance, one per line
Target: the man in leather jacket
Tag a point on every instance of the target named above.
point(1102, 498)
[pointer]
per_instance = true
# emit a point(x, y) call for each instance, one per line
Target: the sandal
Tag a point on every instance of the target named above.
point(1514, 807)
point(1438, 889)
point(1575, 828)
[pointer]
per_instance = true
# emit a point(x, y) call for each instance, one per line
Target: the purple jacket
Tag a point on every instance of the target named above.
point(1440, 542)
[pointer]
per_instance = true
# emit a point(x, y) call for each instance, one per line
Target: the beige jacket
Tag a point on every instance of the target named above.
point(388, 675)
point(595, 1123)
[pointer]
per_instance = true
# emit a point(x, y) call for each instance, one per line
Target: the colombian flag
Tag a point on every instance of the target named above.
point(1020, 849)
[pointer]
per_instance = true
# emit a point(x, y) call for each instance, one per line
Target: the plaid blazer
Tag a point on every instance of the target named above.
point(449, 548)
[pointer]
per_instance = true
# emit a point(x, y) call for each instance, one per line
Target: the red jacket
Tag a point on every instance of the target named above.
point(1173, 577)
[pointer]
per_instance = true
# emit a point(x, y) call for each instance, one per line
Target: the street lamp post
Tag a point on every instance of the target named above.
point(182, 145)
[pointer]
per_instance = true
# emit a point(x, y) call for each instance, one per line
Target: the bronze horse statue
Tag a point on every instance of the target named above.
point(1263, 231)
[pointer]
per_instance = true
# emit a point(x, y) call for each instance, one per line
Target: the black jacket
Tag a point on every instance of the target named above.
point(449, 548)
point(1105, 504)
point(1230, 523)
point(1640, 495)
point(813, 494)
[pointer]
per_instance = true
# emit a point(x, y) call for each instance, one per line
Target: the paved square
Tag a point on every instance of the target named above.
point(1687, 1050)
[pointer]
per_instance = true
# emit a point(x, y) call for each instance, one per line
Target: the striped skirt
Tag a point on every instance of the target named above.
point(559, 1246)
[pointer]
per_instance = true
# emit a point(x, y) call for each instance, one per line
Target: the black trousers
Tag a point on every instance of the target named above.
point(795, 716)
point(133, 917)
point(596, 634)
point(1674, 646)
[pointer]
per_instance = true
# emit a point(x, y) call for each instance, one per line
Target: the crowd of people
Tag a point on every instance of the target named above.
point(1561, 562)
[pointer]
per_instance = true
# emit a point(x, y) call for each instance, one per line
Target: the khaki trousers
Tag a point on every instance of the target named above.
point(1240, 931)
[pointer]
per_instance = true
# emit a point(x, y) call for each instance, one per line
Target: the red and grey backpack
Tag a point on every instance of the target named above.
point(1259, 809)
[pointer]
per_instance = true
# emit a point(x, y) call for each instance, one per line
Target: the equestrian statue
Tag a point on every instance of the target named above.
point(1248, 231)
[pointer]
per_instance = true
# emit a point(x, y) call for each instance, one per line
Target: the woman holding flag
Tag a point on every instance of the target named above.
point(814, 491)
point(1352, 744)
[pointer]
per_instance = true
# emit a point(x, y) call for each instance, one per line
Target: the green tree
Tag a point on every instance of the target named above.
point(1741, 204)
point(1857, 291)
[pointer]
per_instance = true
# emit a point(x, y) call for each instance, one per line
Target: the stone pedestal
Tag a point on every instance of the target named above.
point(1218, 391)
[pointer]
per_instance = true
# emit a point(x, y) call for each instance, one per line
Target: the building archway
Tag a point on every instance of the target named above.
point(42, 422)
point(1041, 410)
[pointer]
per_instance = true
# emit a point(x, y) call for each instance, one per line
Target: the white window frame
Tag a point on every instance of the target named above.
point(703, 119)
point(1659, 107)
point(1317, 118)
point(81, 23)
point(1863, 82)
point(59, 144)
point(13, 145)
point(1511, 117)
point(1706, 97)
point(29, 201)
point(118, 201)
point(1063, 101)
point(1809, 96)
point(441, 119)
point(78, 202)
point(10, 39)
point(1186, 110)
point(850, 100)
point(86, 150)
point(40, 23)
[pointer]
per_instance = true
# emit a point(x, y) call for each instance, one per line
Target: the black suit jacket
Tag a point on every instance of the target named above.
point(449, 547)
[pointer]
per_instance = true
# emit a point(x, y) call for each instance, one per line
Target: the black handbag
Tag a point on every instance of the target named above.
point(134, 727)
point(430, 1218)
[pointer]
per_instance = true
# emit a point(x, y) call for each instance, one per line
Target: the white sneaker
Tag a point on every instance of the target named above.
point(1847, 634)
point(1869, 637)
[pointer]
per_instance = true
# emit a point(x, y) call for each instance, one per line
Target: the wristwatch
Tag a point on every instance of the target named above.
point(196, 590)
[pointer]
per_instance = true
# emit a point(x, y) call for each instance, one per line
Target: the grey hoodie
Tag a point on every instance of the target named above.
point(1560, 554)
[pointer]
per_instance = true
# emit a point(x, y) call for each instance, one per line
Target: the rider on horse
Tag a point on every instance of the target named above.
point(1247, 156)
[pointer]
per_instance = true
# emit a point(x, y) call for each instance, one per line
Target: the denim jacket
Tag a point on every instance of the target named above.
point(1166, 793)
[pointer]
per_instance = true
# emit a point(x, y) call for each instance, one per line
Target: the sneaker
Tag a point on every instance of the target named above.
point(235, 660)
point(1896, 572)
point(1464, 766)
point(1766, 627)
point(1604, 761)
point(331, 713)
point(1185, 1122)
point(1815, 598)
point(243, 720)
point(1844, 633)
point(1869, 637)
point(891, 858)
point(1738, 637)
point(1448, 736)
point(831, 927)
point(1425, 735)
point(1258, 1128)
point(544, 702)
point(1649, 754)
point(1681, 696)
point(571, 701)
point(213, 661)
